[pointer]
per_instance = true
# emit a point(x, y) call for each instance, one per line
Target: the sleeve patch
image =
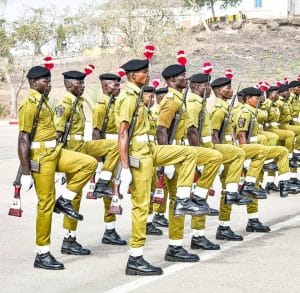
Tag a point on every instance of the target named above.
point(241, 122)
point(59, 111)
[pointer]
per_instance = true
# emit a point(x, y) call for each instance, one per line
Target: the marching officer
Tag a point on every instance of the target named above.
point(110, 84)
point(74, 83)
point(48, 157)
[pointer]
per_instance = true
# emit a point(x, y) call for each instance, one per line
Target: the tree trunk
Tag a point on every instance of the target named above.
point(212, 3)
point(13, 96)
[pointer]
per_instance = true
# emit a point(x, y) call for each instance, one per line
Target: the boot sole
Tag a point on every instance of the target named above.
point(38, 266)
point(132, 272)
point(160, 225)
point(225, 238)
point(58, 211)
point(199, 247)
point(154, 234)
point(103, 241)
point(255, 230)
point(176, 259)
point(63, 251)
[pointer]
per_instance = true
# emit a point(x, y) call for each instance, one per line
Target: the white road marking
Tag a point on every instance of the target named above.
point(204, 256)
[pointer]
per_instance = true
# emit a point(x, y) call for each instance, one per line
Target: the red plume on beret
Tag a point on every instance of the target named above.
point(149, 51)
point(229, 73)
point(181, 58)
point(278, 83)
point(207, 67)
point(155, 82)
point(263, 86)
point(286, 80)
point(89, 69)
point(298, 77)
point(48, 62)
point(121, 72)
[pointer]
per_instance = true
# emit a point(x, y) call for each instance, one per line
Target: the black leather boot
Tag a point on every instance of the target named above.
point(249, 189)
point(254, 225)
point(185, 206)
point(236, 198)
point(160, 220)
point(136, 265)
point(48, 262)
point(202, 203)
point(111, 236)
point(71, 246)
point(271, 186)
point(225, 233)
point(201, 242)
point(294, 163)
point(179, 254)
point(152, 230)
point(64, 206)
point(270, 167)
point(295, 181)
point(102, 189)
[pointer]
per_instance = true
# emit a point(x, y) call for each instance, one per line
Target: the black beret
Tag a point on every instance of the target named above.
point(173, 70)
point(73, 74)
point(272, 88)
point(294, 83)
point(283, 88)
point(240, 93)
point(109, 76)
point(251, 91)
point(148, 89)
point(221, 81)
point(37, 72)
point(200, 78)
point(135, 65)
point(161, 91)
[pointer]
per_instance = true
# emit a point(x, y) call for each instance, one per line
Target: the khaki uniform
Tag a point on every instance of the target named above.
point(76, 143)
point(233, 157)
point(255, 152)
point(78, 167)
point(278, 153)
point(294, 103)
point(211, 159)
point(150, 155)
point(98, 114)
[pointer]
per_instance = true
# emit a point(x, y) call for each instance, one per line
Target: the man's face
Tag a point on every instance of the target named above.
point(148, 99)
point(42, 85)
point(226, 92)
point(204, 88)
point(141, 77)
point(180, 81)
point(77, 87)
point(159, 98)
point(274, 95)
point(253, 101)
point(117, 88)
point(297, 90)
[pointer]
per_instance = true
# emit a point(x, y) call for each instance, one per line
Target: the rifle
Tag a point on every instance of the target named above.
point(201, 115)
point(158, 196)
point(252, 122)
point(105, 120)
point(15, 209)
point(115, 207)
point(64, 137)
point(227, 117)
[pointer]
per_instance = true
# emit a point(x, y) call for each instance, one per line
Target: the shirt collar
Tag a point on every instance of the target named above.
point(73, 97)
point(250, 108)
point(134, 87)
point(222, 103)
point(37, 95)
point(176, 93)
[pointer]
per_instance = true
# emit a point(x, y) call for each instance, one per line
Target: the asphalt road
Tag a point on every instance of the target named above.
point(261, 263)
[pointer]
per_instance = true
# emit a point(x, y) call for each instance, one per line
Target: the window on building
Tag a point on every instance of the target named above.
point(258, 3)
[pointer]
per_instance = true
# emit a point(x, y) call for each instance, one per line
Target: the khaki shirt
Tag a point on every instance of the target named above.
point(285, 111)
point(27, 111)
point(152, 116)
point(244, 119)
point(273, 111)
point(62, 113)
point(98, 114)
point(294, 103)
point(170, 104)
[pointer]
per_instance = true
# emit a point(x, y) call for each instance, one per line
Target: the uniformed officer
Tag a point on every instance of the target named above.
point(49, 157)
point(280, 154)
point(149, 155)
point(233, 157)
point(172, 103)
point(256, 153)
point(74, 83)
point(110, 84)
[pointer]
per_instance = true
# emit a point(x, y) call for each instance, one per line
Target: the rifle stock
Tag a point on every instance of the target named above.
point(105, 120)
point(252, 122)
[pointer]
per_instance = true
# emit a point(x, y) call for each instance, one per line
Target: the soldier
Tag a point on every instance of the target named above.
point(149, 154)
point(49, 157)
point(110, 84)
point(233, 157)
point(256, 153)
point(74, 83)
point(173, 102)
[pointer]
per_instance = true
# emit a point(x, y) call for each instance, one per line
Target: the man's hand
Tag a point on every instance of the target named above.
point(126, 179)
point(169, 171)
point(26, 182)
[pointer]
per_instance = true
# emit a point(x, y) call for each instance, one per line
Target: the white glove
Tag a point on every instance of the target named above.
point(247, 164)
point(26, 182)
point(126, 179)
point(221, 169)
point(200, 168)
point(60, 178)
point(98, 171)
point(169, 171)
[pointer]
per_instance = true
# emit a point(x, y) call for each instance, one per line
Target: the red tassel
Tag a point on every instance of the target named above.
point(229, 73)
point(89, 69)
point(121, 72)
point(149, 51)
point(48, 62)
point(263, 86)
point(298, 77)
point(207, 67)
point(286, 80)
point(181, 58)
point(155, 82)
point(278, 83)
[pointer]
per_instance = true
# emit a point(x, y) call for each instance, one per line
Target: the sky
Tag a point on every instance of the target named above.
point(14, 8)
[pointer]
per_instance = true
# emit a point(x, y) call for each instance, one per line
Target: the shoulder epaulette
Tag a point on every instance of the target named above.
point(129, 90)
point(169, 96)
point(218, 106)
point(67, 100)
point(245, 110)
point(101, 102)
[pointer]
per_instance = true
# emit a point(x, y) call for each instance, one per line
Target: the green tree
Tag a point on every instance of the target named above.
point(197, 4)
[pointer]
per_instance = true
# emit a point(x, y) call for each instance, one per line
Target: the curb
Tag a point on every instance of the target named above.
point(9, 122)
